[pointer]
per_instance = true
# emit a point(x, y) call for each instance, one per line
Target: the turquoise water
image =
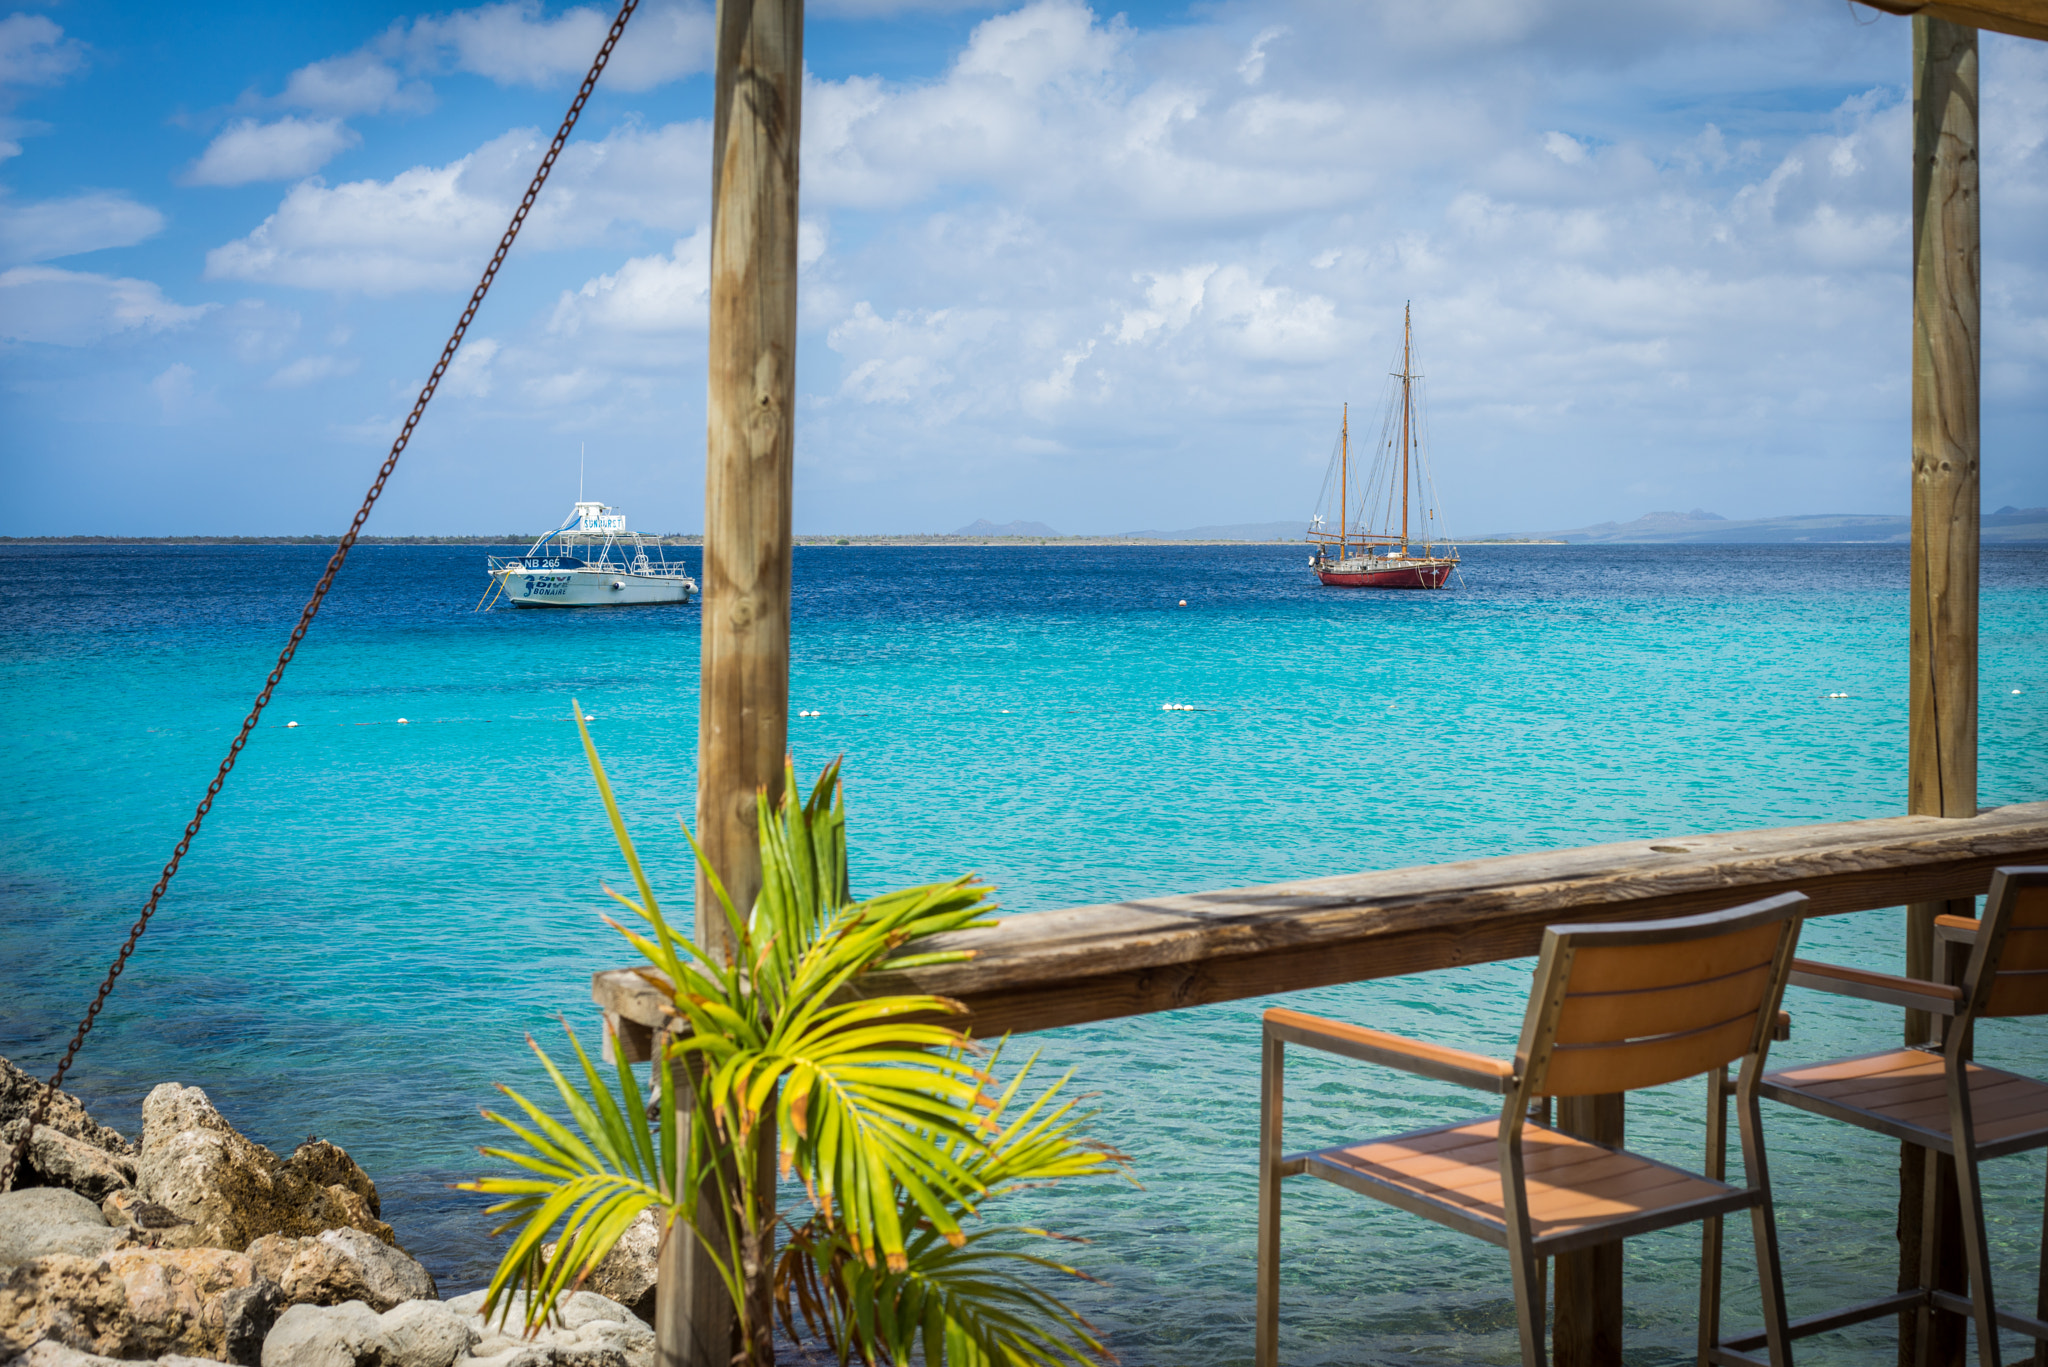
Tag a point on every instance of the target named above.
point(376, 914)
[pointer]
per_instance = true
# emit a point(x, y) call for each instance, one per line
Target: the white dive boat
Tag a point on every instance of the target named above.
point(590, 561)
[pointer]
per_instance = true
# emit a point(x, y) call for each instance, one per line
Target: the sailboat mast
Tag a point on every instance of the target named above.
point(1406, 335)
point(1344, 487)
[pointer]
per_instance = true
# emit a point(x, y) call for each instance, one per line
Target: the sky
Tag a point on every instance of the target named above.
point(1102, 268)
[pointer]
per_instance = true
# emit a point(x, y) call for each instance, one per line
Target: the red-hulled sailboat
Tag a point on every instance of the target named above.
point(1384, 558)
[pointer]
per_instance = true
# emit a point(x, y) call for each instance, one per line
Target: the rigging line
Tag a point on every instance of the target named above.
point(334, 564)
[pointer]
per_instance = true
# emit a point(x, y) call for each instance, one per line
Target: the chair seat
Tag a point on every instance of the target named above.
point(1580, 1193)
point(1904, 1093)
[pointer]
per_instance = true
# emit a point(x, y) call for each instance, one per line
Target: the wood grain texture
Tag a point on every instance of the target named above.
point(1942, 727)
point(1391, 1051)
point(743, 712)
point(1945, 423)
point(2022, 18)
point(743, 709)
point(1052, 968)
point(1586, 1329)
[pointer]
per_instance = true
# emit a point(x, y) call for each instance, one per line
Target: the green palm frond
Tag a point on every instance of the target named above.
point(875, 1101)
point(969, 1301)
point(975, 1305)
point(591, 1178)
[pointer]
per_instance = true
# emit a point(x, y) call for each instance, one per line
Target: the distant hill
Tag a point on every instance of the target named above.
point(984, 527)
point(1668, 528)
point(1290, 530)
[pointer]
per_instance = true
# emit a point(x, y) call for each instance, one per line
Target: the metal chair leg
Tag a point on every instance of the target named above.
point(1710, 1228)
point(1763, 1221)
point(2040, 1358)
point(1527, 1268)
point(1271, 1092)
point(1977, 1251)
point(1930, 1250)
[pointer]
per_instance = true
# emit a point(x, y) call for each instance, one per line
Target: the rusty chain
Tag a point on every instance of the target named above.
point(334, 564)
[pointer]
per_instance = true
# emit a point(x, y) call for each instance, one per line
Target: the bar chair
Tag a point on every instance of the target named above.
point(1613, 1008)
point(1932, 1096)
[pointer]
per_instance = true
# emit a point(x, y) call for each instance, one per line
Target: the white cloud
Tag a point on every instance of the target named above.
point(1143, 266)
point(432, 227)
point(1253, 68)
point(882, 9)
point(177, 394)
point(259, 333)
point(43, 230)
point(648, 294)
point(34, 51)
point(1170, 301)
point(283, 149)
point(73, 308)
point(514, 43)
point(469, 374)
point(311, 369)
point(354, 83)
point(912, 356)
point(518, 43)
point(1564, 147)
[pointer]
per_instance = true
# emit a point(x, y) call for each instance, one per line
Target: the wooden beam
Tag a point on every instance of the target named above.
point(1946, 363)
point(749, 458)
point(1942, 743)
point(2021, 18)
point(1586, 1331)
point(1053, 968)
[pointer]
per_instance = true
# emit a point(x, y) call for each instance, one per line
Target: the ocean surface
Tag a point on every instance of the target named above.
point(377, 914)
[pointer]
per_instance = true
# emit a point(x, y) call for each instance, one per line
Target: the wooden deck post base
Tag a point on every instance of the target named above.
point(1586, 1331)
point(694, 1325)
point(1942, 743)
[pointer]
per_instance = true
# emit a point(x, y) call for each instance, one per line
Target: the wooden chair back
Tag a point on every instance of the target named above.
point(2008, 970)
point(1617, 1007)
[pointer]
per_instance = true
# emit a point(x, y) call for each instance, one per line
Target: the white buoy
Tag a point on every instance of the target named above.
point(401, 721)
point(1183, 602)
point(291, 724)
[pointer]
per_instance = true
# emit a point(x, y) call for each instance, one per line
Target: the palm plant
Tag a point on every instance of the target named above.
point(875, 1103)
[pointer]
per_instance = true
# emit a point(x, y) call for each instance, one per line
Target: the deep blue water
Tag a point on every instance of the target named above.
point(376, 914)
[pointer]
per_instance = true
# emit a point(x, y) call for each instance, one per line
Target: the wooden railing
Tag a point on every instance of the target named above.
point(1043, 969)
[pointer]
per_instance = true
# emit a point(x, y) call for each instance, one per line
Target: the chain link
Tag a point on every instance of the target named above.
point(334, 564)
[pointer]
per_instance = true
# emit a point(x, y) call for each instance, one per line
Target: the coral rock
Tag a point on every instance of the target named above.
point(415, 1334)
point(232, 1190)
point(56, 1159)
point(44, 1220)
point(426, 1334)
point(248, 1313)
point(341, 1265)
point(133, 1303)
point(325, 1336)
point(592, 1331)
point(328, 1165)
point(67, 1114)
point(50, 1353)
point(628, 1273)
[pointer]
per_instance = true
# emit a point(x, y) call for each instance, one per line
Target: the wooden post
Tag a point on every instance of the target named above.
point(1942, 772)
point(743, 714)
point(1587, 1329)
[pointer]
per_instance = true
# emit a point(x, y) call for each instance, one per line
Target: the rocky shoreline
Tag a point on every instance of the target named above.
point(198, 1244)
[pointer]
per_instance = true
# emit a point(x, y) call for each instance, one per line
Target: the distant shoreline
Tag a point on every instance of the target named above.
point(697, 539)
